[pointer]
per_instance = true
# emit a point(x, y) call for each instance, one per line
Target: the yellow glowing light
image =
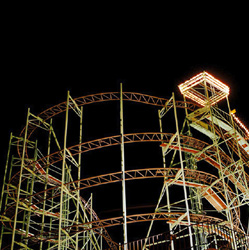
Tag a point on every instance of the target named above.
point(216, 83)
point(205, 82)
point(240, 124)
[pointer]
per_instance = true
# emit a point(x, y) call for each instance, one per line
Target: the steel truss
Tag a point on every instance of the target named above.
point(43, 204)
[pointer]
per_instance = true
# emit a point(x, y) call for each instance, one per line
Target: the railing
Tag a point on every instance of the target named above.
point(205, 236)
point(225, 117)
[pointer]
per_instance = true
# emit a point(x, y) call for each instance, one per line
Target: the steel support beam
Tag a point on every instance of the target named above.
point(125, 237)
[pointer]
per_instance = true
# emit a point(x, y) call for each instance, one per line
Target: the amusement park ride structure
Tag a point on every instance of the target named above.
point(44, 199)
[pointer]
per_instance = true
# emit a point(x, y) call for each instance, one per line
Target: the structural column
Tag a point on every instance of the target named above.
point(20, 182)
point(63, 176)
point(183, 176)
point(123, 169)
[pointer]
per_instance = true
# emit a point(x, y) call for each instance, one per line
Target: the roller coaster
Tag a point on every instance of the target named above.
point(46, 197)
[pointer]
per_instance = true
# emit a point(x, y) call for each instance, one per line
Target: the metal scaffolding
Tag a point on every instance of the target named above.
point(204, 176)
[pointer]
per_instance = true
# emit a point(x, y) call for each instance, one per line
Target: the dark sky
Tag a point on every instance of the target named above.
point(43, 59)
point(38, 75)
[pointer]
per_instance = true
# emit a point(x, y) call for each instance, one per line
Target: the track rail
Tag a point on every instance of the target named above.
point(135, 218)
point(104, 97)
point(200, 149)
point(208, 152)
point(189, 144)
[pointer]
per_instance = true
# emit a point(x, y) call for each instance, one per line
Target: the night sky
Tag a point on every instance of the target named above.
point(42, 60)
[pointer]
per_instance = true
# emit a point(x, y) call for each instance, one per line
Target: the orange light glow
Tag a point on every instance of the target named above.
point(204, 89)
point(237, 120)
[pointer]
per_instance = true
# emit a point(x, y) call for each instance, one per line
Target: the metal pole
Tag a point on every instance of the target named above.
point(47, 170)
point(20, 182)
point(30, 190)
point(183, 176)
point(3, 187)
point(79, 168)
point(5, 172)
point(91, 219)
point(123, 169)
point(63, 175)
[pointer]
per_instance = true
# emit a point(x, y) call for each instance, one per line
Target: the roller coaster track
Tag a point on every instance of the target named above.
point(135, 97)
point(104, 97)
point(135, 218)
point(188, 144)
point(201, 151)
point(127, 96)
point(57, 109)
point(206, 182)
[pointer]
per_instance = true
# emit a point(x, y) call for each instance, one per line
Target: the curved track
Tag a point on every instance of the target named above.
point(117, 221)
point(200, 150)
point(103, 97)
point(189, 143)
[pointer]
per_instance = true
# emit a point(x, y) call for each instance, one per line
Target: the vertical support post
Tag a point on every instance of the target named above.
point(169, 210)
point(63, 175)
point(183, 175)
point(91, 219)
point(101, 238)
point(161, 131)
point(79, 174)
point(30, 188)
point(67, 205)
point(195, 194)
point(46, 184)
point(20, 182)
point(165, 185)
point(123, 169)
point(5, 172)
point(248, 231)
point(3, 188)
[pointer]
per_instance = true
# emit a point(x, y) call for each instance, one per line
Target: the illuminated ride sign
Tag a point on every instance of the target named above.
point(204, 89)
